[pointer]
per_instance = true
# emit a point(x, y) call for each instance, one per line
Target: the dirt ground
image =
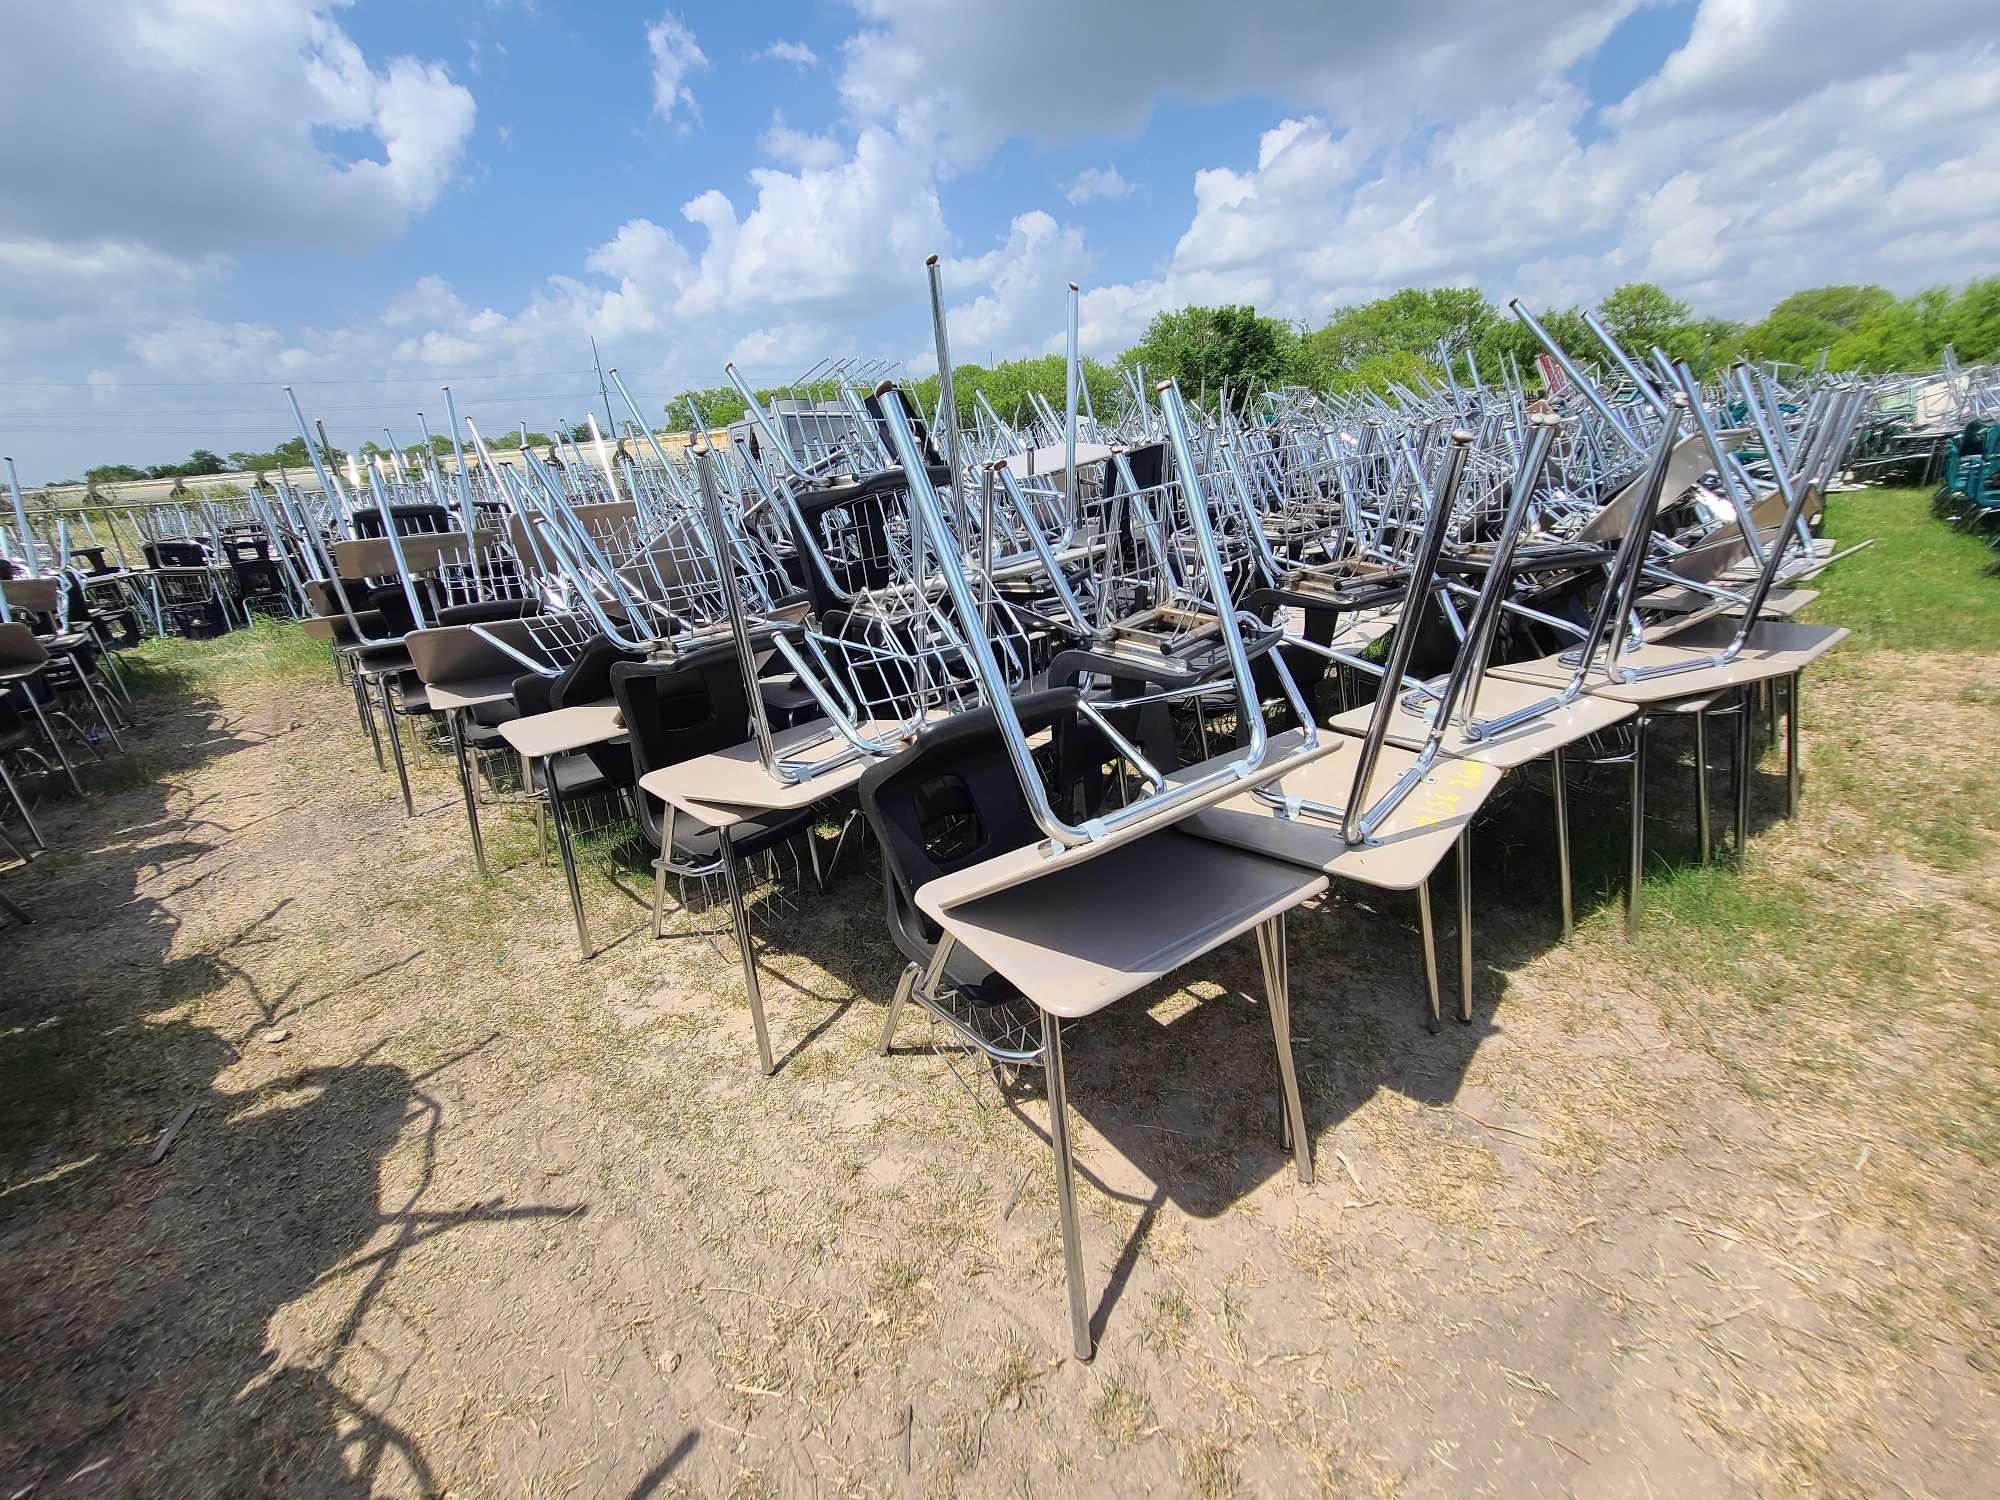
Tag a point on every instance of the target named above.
point(455, 1213)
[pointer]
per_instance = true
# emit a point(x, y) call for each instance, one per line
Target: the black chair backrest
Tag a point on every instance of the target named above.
point(411, 520)
point(488, 610)
point(953, 799)
point(175, 554)
point(677, 710)
point(588, 680)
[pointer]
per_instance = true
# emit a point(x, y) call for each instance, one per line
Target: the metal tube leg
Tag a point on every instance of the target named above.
point(896, 1003)
point(749, 955)
point(366, 710)
point(49, 734)
point(1271, 948)
point(90, 692)
point(929, 977)
point(1743, 781)
point(568, 858)
point(1792, 745)
point(1465, 925)
point(1559, 778)
point(1430, 950)
point(1637, 870)
point(1701, 824)
point(1072, 1236)
point(660, 870)
point(96, 752)
point(465, 785)
point(21, 803)
point(396, 744)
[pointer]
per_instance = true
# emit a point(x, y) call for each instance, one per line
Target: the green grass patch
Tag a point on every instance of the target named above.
point(1921, 587)
point(265, 651)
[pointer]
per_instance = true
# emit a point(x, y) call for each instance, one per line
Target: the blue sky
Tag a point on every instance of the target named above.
point(371, 198)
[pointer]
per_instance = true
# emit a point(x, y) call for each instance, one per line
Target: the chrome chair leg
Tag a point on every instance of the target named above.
point(396, 745)
point(49, 734)
point(458, 753)
point(568, 859)
point(1430, 951)
point(1072, 1235)
point(21, 804)
point(742, 917)
point(1271, 950)
point(1634, 876)
point(1559, 778)
point(1701, 819)
point(929, 976)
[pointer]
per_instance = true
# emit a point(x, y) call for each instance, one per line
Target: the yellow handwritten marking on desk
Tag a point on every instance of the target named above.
point(1441, 796)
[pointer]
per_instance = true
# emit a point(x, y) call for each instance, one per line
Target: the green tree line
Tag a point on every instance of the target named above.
point(1398, 339)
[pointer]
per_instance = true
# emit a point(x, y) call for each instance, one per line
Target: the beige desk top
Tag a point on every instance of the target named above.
point(1089, 934)
point(1035, 862)
point(1403, 850)
point(471, 692)
point(1779, 604)
point(733, 783)
point(1498, 696)
point(1775, 649)
point(563, 729)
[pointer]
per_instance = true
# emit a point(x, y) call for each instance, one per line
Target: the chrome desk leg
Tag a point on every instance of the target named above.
point(1559, 776)
point(1701, 824)
point(1271, 948)
point(1465, 924)
point(458, 752)
point(1792, 745)
point(1633, 876)
point(1743, 718)
point(660, 869)
point(568, 855)
point(1052, 1077)
point(742, 917)
point(1430, 949)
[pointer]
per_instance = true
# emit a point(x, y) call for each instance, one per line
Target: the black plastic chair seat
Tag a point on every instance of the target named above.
point(577, 776)
point(787, 702)
point(697, 843)
point(408, 695)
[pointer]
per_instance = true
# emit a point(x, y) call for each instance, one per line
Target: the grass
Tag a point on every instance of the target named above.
point(267, 650)
point(1921, 587)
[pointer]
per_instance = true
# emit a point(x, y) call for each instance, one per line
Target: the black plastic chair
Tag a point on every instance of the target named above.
point(674, 712)
point(953, 799)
